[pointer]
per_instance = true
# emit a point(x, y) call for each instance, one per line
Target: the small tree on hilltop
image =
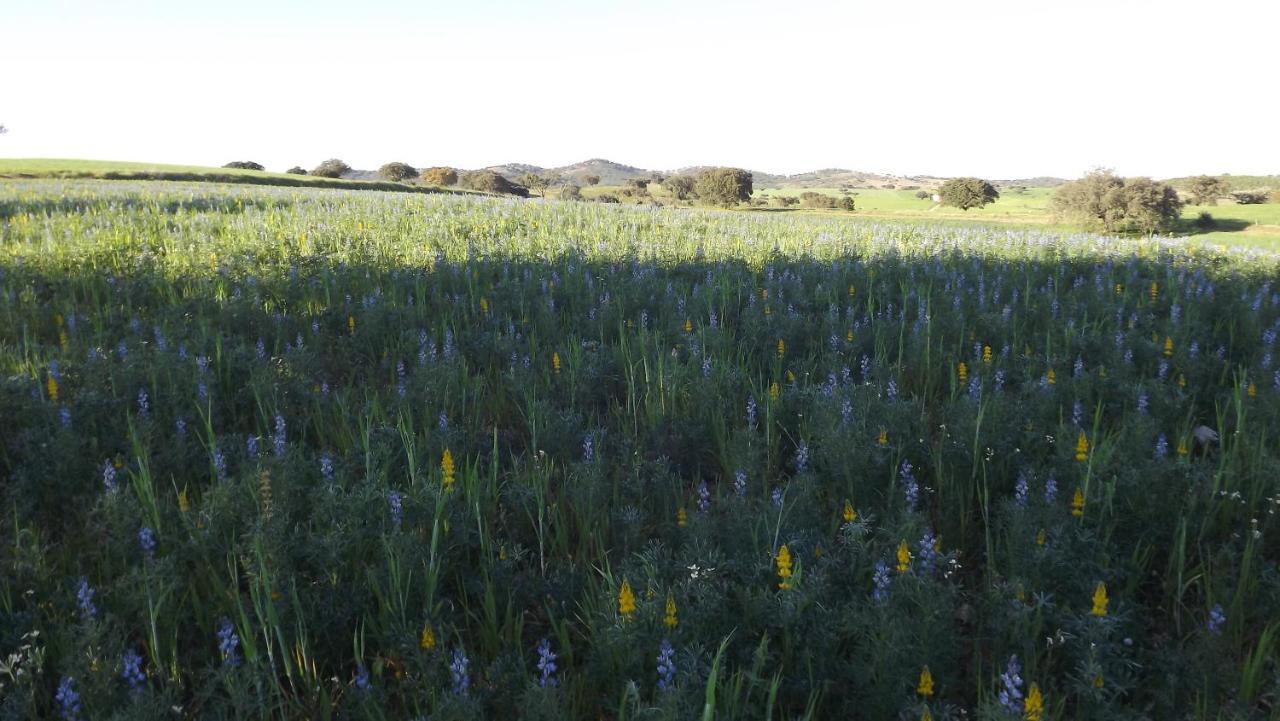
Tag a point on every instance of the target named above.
point(591, 179)
point(397, 172)
point(331, 168)
point(966, 193)
point(440, 176)
point(491, 182)
point(1206, 189)
point(244, 165)
point(723, 186)
point(295, 170)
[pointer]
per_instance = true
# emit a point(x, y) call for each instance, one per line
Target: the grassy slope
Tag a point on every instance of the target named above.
point(118, 170)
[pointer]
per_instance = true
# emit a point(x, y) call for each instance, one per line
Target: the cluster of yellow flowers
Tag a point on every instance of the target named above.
point(784, 567)
point(446, 470)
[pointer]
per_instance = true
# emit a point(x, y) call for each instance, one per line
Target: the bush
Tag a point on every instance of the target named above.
point(491, 182)
point(1205, 221)
point(331, 168)
point(1206, 189)
point(847, 203)
point(966, 193)
point(606, 198)
point(723, 186)
point(923, 194)
point(244, 165)
point(571, 192)
point(397, 172)
point(681, 186)
point(810, 199)
point(1250, 197)
point(591, 179)
point(440, 176)
point(296, 170)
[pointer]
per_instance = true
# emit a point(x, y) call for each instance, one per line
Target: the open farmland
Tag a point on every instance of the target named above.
point(302, 453)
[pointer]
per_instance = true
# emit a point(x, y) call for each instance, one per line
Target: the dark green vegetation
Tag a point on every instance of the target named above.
point(1103, 200)
point(966, 193)
point(307, 454)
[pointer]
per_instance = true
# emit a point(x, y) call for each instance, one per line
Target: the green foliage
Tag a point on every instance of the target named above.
point(591, 179)
point(570, 192)
point(1205, 221)
point(606, 198)
point(296, 170)
point(440, 176)
point(490, 182)
point(1104, 200)
point(966, 193)
point(810, 199)
point(1206, 189)
point(244, 165)
point(269, 378)
point(724, 187)
point(536, 183)
point(923, 194)
point(680, 186)
point(1250, 197)
point(397, 172)
point(331, 168)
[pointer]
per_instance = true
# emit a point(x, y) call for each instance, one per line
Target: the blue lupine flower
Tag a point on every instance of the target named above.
point(891, 391)
point(1142, 404)
point(928, 554)
point(911, 489)
point(147, 542)
point(1162, 447)
point(1077, 413)
point(251, 447)
point(458, 669)
point(1020, 490)
point(802, 457)
point(588, 449)
point(278, 438)
point(228, 643)
point(846, 411)
point(109, 476)
point(362, 678)
point(64, 416)
point(1050, 489)
point(546, 664)
point(704, 497)
point(1216, 619)
point(68, 700)
point(133, 673)
point(396, 503)
point(881, 580)
point(219, 464)
point(776, 496)
point(740, 482)
point(326, 467)
point(666, 666)
point(144, 402)
point(1011, 686)
point(751, 411)
point(84, 600)
point(180, 427)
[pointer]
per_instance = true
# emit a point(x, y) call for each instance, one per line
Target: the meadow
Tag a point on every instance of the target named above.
point(301, 453)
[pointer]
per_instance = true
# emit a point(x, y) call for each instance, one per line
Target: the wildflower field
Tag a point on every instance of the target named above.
point(290, 453)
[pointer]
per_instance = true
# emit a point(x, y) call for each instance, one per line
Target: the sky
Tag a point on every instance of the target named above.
point(1000, 89)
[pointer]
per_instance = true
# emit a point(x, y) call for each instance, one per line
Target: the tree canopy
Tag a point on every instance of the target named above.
point(966, 193)
point(397, 171)
point(1206, 189)
point(723, 186)
point(331, 168)
point(440, 176)
point(1104, 200)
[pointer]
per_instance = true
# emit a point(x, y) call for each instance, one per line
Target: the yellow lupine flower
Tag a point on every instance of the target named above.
point(428, 639)
point(1155, 290)
point(484, 305)
point(52, 386)
point(626, 600)
point(1051, 377)
point(682, 518)
point(669, 620)
point(1252, 390)
point(926, 716)
point(1077, 503)
point(555, 362)
point(849, 514)
point(1033, 704)
point(1040, 538)
point(184, 505)
point(784, 567)
point(782, 348)
point(883, 439)
point(1082, 448)
point(688, 326)
point(852, 290)
point(1100, 600)
point(1168, 347)
point(446, 469)
point(849, 337)
point(925, 686)
point(1097, 681)
point(962, 371)
point(1182, 381)
point(986, 354)
point(774, 390)
point(351, 324)
point(1182, 447)
point(904, 557)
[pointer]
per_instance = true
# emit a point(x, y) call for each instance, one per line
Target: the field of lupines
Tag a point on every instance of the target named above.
point(312, 454)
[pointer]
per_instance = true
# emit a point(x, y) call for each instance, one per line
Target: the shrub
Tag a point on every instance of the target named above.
point(723, 186)
point(296, 170)
point(848, 204)
point(491, 182)
point(244, 165)
point(440, 176)
point(591, 179)
point(571, 192)
point(1104, 199)
point(1205, 221)
point(1250, 197)
point(331, 168)
point(680, 186)
point(923, 194)
point(606, 198)
point(1206, 189)
point(397, 172)
point(966, 193)
point(810, 199)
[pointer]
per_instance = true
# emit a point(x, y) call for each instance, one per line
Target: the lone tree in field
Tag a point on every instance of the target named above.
point(491, 182)
point(1104, 200)
point(296, 170)
point(331, 168)
point(591, 179)
point(725, 187)
point(536, 183)
point(571, 192)
point(397, 172)
point(440, 176)
point(681, 186)
point(244, 165)
point(966, 193)
point(1206, 189)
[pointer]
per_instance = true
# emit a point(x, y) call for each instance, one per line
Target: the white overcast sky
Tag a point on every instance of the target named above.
point(999, 88)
